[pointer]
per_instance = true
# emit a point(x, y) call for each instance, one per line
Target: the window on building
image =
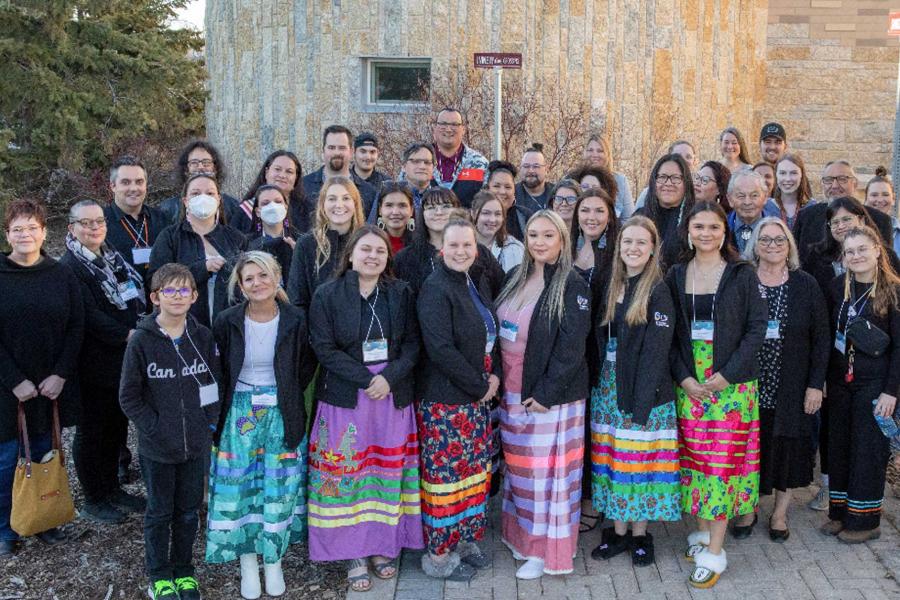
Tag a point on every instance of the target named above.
point(396, 84)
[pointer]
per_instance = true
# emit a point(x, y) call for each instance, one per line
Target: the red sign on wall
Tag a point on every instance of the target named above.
point(505, 60)
point(894, 28)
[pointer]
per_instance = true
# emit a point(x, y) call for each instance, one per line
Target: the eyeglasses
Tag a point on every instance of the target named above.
point(531, 167)
point(31, 230)
point(841, 179)
point(566, 199)
point(170, 292)
point(198, 162)
point(837, 222)
point(433, 208)
point(90, 223)
point(421, 161)
point(673, 179)
point(702, 179)
point(767, 242)
point(446, 124)
point(861, 251)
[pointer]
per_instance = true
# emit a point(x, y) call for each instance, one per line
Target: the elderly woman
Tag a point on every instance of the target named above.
point(41, 327)
point(114, 298)
point(793, 360)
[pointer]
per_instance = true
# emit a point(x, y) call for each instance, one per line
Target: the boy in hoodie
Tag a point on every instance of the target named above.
point(169, 389)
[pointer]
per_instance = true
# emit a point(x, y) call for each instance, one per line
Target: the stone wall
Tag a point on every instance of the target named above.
point(831, 80)
point(651, 70)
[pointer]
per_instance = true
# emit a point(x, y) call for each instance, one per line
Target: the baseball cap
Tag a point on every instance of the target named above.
point(773, 130)
point(365, 139)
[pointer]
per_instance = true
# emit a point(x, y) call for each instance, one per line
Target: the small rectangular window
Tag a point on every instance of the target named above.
point(396, 84)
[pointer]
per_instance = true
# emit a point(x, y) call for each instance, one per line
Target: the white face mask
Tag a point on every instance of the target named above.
point(273, 213)
point(202, 206)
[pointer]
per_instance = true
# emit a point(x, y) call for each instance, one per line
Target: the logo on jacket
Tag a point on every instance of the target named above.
point(583, 303)
point(661, 319)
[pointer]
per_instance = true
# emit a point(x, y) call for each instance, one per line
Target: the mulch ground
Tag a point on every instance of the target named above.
point(106, 562)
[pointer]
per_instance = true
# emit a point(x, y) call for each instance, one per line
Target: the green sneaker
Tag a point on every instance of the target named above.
point(187, 587)
point(162, 588)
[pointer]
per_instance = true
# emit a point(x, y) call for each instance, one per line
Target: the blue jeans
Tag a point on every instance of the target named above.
point(9, 456)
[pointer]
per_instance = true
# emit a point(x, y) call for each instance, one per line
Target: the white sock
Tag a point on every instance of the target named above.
point(532, 569)
point(274, 579)
point(824, 480)
point(250, 586)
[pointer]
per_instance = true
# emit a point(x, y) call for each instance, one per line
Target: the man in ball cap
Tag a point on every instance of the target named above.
point(365, 156)
point(772, 143)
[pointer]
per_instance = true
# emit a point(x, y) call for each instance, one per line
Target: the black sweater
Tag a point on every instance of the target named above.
point(809, 227)
point(278, 248)
point(338, 331)
point(741, 315)
point(161, 395)
point(419, 259)
point(41, 327)
point(106, 329)
point(804, 356)
point(303, 214)
point(305, 276)
point(454, 337)
point(179, 244)
point(294, 365)
point(643, 378)
point(555, 369)
point(119, 236)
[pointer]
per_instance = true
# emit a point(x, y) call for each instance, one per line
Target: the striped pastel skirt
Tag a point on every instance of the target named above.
point(363, 480)
point(544, 454)
point(719, 446)
point(634, 468)
point(257, 486)
point(456, 473)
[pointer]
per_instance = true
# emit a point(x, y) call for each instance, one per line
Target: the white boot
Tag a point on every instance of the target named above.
point(697, 542)
point(250, 586)
point(274, 579)
point(532, 569)
point(708, 567)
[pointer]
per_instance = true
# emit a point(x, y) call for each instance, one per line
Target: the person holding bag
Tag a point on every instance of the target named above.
point(863, 378)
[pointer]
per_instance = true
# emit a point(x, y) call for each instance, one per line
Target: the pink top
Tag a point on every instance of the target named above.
point(513, 352)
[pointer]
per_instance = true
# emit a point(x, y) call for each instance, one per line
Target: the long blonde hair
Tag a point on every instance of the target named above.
point(636, 313)
point(267, 263)
point(320, 229)
point(556, 288)
point(884, 288)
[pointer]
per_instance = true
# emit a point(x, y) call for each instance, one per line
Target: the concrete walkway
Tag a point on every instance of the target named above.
point(809, 565)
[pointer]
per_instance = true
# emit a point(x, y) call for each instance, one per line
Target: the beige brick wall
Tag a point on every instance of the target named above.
point(831, 80)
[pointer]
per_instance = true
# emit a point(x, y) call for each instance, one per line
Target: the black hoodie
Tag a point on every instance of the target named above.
point(41, 327)
point(161, 395)
point(420, 259)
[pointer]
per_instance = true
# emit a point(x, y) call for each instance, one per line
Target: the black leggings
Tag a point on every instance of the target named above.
point(102, 430)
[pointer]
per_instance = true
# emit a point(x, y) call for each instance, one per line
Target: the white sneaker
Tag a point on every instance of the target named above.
point(532, 569)
point(250, 584)
point(820, 501)
point(274, 579)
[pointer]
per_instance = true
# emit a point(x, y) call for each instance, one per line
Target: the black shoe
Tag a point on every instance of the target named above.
point(8, 548)
point(51, 537)
point(477, 559)
point(103, 512)
point(778, 535)
point(642, 553)
point(611, 544)
point(742, 532)
point(187, 588)
point(126, 502)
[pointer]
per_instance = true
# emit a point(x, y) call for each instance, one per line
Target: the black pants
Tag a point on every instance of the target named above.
point(95, 449)
point(858, 454)
point(174, 495)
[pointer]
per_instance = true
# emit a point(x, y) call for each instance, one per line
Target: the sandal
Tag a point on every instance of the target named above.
point(642, 554)
point(385, 570)
point(361, 582)
point(611, 544)
point(589, 522)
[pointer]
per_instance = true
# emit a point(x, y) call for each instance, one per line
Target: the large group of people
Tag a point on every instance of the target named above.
point(361, 362)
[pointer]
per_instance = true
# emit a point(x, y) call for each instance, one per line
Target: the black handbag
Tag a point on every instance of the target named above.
point(867, 338)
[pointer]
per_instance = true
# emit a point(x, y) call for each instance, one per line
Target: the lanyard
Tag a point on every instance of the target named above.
point(852, 310)
point(487, 331)
point(374, 316)
point(135, 234)
point(184, 362)
point(521, 310)
point(694, 303)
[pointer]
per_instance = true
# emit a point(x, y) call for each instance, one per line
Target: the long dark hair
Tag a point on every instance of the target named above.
point(652, 209)
point(612, 223)
point(723, 176)
point(344, 262)
point(255, 221)
point(433, 195)
point(829, 246)
point(481, 198)
point(222, 219)
point(296, 196)
point(393, 187)
point(728, 252)
point(604, 176)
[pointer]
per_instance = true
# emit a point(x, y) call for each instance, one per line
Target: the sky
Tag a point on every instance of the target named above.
point(191, 16)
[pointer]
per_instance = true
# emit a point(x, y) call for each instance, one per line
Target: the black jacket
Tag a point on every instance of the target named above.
point(305, 276)
point(643, 378)
point(555, 370)
point(419, 259)
point(278, 248)
point(454, 337)
point(160, 395)
point(303, 216)
point(179, 244)
point(294, 365)
point(533, 203)
point(106, 330)
point(740, 318)
point(337, 335)
point(41, 327)
point(809, 227)
point(517, 219)
point(119, 236)
point(670, 232)
point(804, 356)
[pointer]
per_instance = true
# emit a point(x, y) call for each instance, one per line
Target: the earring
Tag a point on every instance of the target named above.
point(722, 243)
point(690, 243)
point(441, 253)
point(380, 222)
point(411, 225)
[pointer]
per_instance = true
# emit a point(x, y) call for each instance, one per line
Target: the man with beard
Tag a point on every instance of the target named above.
point(533, 191)
point(772, 143)
point(337, 150)
point(457, 166)
point(365, 156)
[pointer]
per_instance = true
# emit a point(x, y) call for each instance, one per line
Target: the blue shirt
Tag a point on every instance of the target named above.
point(896, 223)
point(741, 231)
